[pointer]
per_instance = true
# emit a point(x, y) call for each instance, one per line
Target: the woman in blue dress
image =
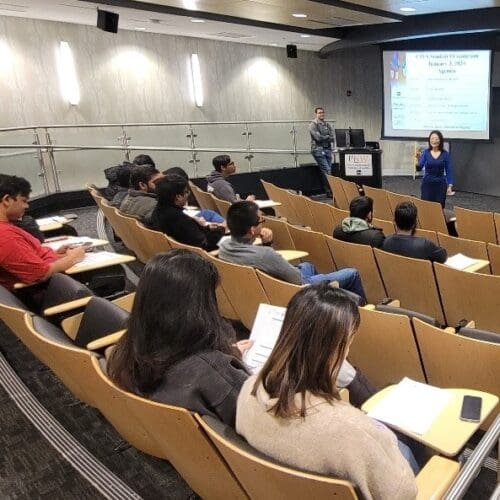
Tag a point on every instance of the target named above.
point(438, 173)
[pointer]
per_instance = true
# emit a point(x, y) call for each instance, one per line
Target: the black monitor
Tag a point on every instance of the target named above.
point(357, 138)
point(342, 137)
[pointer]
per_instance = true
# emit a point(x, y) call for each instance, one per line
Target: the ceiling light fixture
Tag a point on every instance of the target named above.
point(140, 29)
point(67, 74)
point(196, 80)
point(305, 36)
point(197, 20)
point(298, 14)
point(407, 9)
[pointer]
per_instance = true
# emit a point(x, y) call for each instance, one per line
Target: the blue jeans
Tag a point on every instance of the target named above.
point(348, 278)
point(408, 454)
point(211, 216)
point(323, 158)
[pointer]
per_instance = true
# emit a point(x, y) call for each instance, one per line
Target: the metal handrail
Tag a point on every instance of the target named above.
point(153, 124)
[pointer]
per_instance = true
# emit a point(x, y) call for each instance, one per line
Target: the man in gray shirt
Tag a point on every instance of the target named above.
point(245, 225)
point(322, 138)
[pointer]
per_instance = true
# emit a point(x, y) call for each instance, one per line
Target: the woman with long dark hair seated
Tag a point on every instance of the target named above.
point(292, 410)
point(177, 348)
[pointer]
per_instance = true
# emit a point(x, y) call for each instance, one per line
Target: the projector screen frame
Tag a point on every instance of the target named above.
point(446, 47)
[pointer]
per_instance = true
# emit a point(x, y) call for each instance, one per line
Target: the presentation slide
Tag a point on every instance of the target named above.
point(437, 90)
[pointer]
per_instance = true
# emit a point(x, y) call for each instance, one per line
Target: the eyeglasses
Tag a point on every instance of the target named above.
point(260, 221)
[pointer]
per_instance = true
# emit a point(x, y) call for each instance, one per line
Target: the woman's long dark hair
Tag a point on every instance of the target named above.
point(174, 315)
point(441, 139)
point(311, 348)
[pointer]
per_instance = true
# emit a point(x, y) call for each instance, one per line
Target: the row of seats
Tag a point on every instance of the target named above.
point(470, 224)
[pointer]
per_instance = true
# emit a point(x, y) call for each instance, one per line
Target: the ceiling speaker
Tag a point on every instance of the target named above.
point(107, 21)
point(291, 51)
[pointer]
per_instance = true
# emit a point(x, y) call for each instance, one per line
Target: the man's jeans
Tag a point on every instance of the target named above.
point(323, 158)
point(347, 278)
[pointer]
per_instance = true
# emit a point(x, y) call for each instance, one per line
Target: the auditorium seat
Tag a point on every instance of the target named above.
point(339, 196)
point(387, 226)
point(494, 258)
point(360, 257)
point(391, 336)
point(279, 195)
point(452, 360)
point(411, 281)
point(279, 292)
point(381, 207)
point(281, 235)
point(471, 296)
point(395, 198)
point(475, 225)
point(263, 477)
point(152, 242)
point(351, 190)
point(471, 248)
point(315, 244)
point(222, 206)
point(430, 216)
point(322, 216)
point(166, 432)
point(427, 234)
point(301, 208)
point(204, 199)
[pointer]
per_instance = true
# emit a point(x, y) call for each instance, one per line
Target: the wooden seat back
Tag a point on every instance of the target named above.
point(430, 215)
point(262, 478)
point(395, 198)
point(281, 235)
point(195, 191)
point(338, 216)
point(243, 289)
point(494, 258)
point(339, 196)
point(351, 190)
point(471, 248)
point(390, 335)
point(411, 281)
point(322, 215)
point(300, 205)
point(279, 292)
point(381, 207)
point(205, 200)
point(315, 244)
point(471, 296)
point(152, 242)
point(134, 240)
point(222, 206)
point(451, 360)
point(280, 195)
point(167, 432)
point(496, 219)
point(475, 225)
point(428, 235)
point(387, 226)
point(360, 257)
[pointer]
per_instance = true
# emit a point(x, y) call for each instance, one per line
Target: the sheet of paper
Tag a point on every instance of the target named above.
point(50, 220)
point(460, 261)
point(70, 240)
point(96, 258)
point(265, 203)
point(265, 331)
point(411, 406)
point(190, 212)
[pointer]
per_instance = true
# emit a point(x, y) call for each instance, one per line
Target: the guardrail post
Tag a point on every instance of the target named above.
point(192, 144)
point(294, 145)
point(125, 140)
point(41, 163)
point(50, 152)
point(249, 154)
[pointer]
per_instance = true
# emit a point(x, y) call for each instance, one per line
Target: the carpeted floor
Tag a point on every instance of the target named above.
point(31, 468)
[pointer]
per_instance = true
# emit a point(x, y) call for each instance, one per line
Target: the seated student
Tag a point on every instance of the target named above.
point(111, 175)
point(296, 416)
point(217, 179)
point(357, 228)
point(123, 185)
point(244, 223)
point(405, 243)
point(144, 160)
point(140, 201)
point(177, 349)
point(169, 216)
point(22, 257)
point(205, 214)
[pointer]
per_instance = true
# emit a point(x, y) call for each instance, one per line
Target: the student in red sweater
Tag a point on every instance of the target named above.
point(22, 257)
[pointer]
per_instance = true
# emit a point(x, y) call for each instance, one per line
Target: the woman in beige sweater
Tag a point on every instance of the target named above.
point(292, 411)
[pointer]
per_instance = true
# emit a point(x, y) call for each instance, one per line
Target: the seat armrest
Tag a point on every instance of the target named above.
point(106, 341)
point(66, 306)
point(436, 477)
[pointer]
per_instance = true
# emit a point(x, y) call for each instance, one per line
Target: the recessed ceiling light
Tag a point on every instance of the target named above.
point(305, 36)
point(298, 14)
point(274, 44)
point(407, 9)
point(140, 29)
point(197, 20)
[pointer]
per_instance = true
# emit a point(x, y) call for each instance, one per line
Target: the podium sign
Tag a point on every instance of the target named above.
point(358, 165)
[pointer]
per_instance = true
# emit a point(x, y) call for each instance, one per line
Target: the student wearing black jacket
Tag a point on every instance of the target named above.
point(169, 217)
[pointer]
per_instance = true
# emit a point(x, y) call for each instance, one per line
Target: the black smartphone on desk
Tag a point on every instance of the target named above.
point(471, 409)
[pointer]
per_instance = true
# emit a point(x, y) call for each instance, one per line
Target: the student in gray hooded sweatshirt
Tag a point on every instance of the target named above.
point(357, 228)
